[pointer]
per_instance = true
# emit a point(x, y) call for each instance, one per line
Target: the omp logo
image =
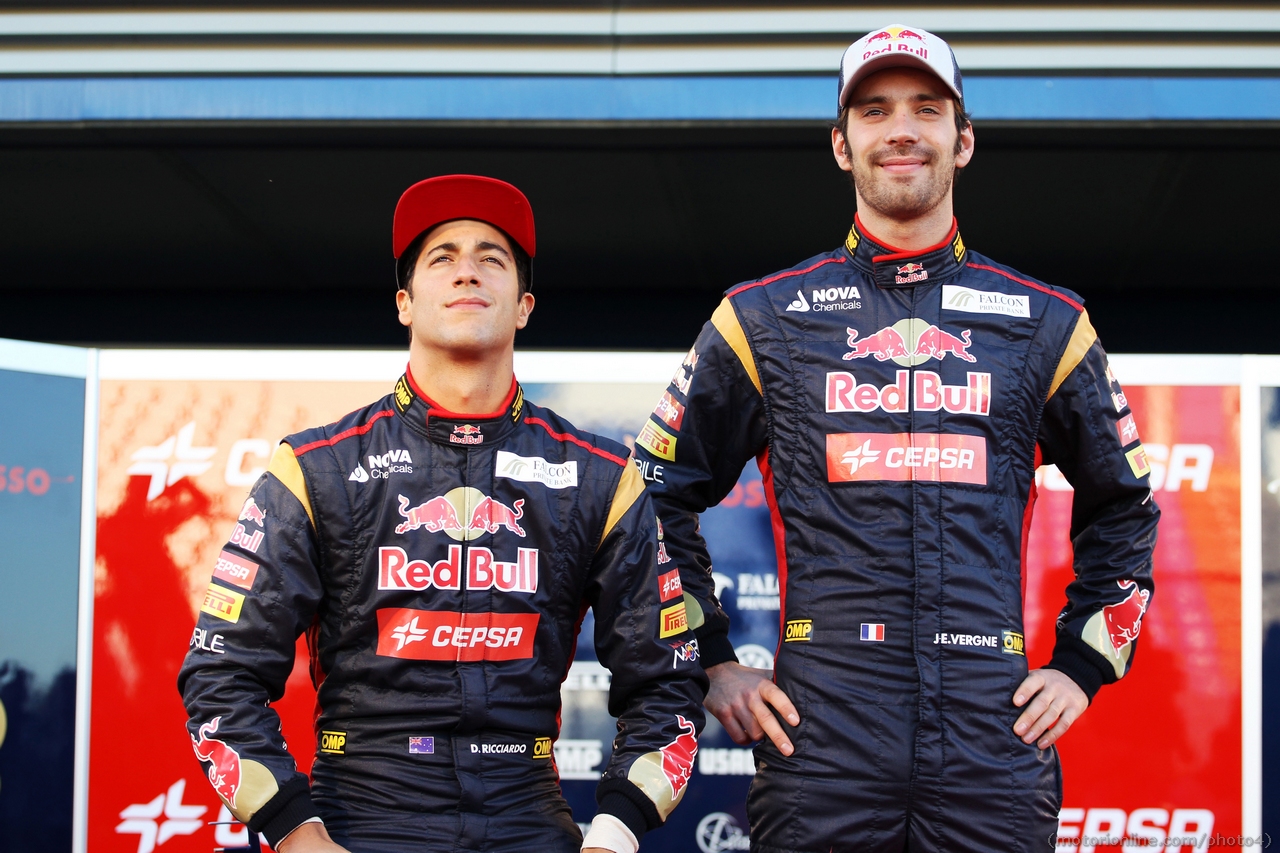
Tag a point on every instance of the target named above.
point(579, 759)
point(542, 747)
point(1012, 643)
point(333, 743)
point(798, 631)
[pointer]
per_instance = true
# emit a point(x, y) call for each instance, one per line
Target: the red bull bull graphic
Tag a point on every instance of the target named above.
point(677, 757)
point(909, 342)
point(927, 394)
point(224, 762)
point(1124, 620)
point(932, 457)
point(444, 514)
point(449, 636)
point(252, 512)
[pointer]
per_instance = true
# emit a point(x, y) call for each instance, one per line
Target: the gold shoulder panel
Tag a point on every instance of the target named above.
point(630, 487)
point(1081, 339)
point(284, 465)
point(725, 319)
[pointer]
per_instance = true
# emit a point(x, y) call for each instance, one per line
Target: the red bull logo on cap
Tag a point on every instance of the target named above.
point(446, 513)
point(909, 342)
point(895, 38)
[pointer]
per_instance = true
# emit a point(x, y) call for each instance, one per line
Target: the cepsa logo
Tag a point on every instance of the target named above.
point(933, 457)
point(450, 636)
point(1150, 828)
point(1171, 467)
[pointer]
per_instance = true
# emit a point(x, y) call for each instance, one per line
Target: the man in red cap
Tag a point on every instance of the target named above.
point(898, 394)
point(439, 549)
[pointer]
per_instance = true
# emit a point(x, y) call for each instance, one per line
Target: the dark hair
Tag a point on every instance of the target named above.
point(963, 120)
point(408, 261)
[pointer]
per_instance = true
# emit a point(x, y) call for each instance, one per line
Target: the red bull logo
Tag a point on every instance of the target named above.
point(910, 34)
point(910, 274)
point(1124, 620)
point(224, 762)
point(445, 513)
point(677, 757)
point(252, 512)
point(883, 35)
point(466, 434)
point(909, 342)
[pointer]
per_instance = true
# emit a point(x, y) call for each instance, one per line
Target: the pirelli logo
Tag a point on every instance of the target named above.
point(1011, 643)
point(657, 441)
point(223, 603)
point(674, 620)
point(333, 743)
point(798, 631)
point(542, 747)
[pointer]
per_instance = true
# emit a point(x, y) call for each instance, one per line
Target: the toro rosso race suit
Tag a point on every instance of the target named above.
point(440, 566)
point(898, 404)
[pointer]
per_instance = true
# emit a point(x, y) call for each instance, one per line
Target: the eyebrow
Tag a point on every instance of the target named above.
point(483, 245)
point(919, 97)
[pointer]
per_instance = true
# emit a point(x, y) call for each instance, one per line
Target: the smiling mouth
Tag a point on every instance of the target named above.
point(468, 302)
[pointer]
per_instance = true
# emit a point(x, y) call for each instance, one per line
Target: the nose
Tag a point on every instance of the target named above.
point(467, 271)
point(902, 130)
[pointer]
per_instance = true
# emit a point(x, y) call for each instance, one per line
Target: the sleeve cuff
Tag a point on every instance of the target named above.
point(627, 803)
point(1074, 659)
point(714, 648)
point(286, 811)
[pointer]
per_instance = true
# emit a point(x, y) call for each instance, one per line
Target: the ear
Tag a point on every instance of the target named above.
point(523, 310)
point(838, 146)
point(404, 308)
point(966, 147)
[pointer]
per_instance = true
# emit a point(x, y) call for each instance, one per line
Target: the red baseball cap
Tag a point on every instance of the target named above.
point(428, 203)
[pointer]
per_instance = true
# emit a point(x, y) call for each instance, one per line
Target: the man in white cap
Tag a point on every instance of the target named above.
point(898, 394)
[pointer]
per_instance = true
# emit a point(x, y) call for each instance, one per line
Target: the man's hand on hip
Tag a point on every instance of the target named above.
point(309, 838)
point(1056, 703)
point(737, 698)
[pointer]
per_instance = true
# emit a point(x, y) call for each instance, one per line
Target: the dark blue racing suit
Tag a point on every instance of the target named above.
point(898, 404)
point(440, 566)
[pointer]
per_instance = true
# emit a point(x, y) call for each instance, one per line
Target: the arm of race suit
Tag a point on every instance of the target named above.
point(263, 595)
point(657, 686)
point(1088, 431)
point(708, 424)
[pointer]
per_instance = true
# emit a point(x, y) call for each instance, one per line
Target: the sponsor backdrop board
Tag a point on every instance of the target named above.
point(183, 435)
point(1268, 490)
point(42, 429)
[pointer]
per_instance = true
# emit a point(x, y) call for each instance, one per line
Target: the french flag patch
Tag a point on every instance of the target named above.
point(873, 632)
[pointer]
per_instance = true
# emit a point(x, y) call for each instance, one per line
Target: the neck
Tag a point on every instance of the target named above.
point(909, 235)
point(466, 386)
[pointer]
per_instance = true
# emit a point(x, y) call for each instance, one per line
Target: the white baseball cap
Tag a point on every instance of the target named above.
point(890, 47)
